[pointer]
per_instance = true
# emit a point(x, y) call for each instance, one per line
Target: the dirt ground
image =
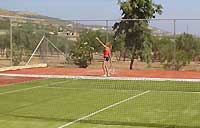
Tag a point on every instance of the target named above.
point(120, 69)
point(193, 66)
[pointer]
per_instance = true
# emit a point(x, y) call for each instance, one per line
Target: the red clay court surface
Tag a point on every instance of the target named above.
point(11, 80)
point(97, 72)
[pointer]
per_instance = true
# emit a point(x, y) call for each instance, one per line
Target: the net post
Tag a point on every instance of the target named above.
point(55, 47)
point(35, 50)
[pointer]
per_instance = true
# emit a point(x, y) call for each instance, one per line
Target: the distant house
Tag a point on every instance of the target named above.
point(158, 32)
point(69, 25)
point(69, 35)
point(4, 32)
point(67, 31)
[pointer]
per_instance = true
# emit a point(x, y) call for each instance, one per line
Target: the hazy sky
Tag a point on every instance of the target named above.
point(107, 9)
point(98, 9)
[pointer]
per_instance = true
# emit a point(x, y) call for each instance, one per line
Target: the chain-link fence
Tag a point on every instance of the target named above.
point(5, 38)
point(170, 43)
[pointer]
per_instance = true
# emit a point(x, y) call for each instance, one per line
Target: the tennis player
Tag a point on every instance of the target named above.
point(106, 57)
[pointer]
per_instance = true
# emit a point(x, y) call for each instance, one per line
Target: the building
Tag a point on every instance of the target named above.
point(73, 36)
point(4, 32)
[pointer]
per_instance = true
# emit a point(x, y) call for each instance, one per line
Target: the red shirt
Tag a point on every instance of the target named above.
point(106, 52)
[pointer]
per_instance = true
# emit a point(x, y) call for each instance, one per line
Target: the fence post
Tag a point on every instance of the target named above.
point(11, 43)
point(107, 38)
point(174, 49)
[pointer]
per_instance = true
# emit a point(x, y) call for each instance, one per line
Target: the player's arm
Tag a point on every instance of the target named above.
point(101, 42)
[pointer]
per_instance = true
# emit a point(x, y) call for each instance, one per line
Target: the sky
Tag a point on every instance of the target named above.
point(104, 9)
point(67, 9)
point(98, 9)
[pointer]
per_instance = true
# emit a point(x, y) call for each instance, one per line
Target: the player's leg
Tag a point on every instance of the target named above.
point(104, 67)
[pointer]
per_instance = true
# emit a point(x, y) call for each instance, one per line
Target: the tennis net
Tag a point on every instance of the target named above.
point(86, 101)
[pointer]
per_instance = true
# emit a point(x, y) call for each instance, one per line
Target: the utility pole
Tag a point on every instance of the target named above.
point(174, 44)
point(107, 38)
point(11, 44)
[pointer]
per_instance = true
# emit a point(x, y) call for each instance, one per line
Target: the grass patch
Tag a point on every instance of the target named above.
point(59, 101)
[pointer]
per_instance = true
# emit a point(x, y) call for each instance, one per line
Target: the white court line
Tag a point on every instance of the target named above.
point(90, 89)
point(100, 78)
point(25, 89)
point(177, 92)
point(23, 82)
point(103, 109)
point(19, 90)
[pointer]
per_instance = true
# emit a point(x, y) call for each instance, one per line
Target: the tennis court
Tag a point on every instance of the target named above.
point(83, 102)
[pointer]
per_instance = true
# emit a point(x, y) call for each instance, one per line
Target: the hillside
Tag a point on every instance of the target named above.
point(24, 14)
point(52, 20)
point(48, 19)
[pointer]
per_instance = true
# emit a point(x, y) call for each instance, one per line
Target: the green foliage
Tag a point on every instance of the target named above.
point(136, 31)
point(17, 55)
point(82, 54)
point(61, 43)
point(147, 53)
point(187, 48)
point(24, 42)
point(197, 53)
point(5, 37)
point(119, 43)
point(164, 49)
point(4, 24)
point(90, 37)
point(118, 47)
point(27, 36)
point(4, 41)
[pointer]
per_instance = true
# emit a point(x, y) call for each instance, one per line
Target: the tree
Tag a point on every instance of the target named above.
point(17, 55)
point(4, 24)
point(81, 54)
point(187, 48)
point(25, 39)
point(62, 43)
point(146, 54)
point(4, 44)
point(118, 48)
point(90, 37)
point(136, 30)
point(163, 51)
